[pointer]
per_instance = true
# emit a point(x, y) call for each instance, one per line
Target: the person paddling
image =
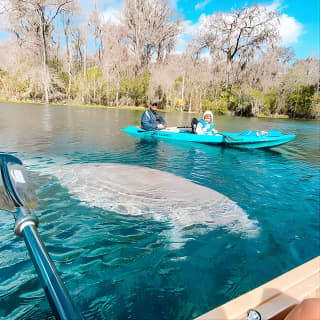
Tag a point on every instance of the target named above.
point(152, 120)
point(206, 125)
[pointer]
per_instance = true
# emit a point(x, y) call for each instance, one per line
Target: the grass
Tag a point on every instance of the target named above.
point(74, 104)
point(275, 116)
point(141, 108)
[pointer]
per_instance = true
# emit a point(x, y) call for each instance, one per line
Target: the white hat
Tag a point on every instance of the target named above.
point(208, 112)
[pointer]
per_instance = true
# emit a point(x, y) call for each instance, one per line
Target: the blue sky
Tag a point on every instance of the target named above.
point(299, 19)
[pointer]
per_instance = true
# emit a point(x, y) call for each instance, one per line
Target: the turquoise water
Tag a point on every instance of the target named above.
point(127, 266)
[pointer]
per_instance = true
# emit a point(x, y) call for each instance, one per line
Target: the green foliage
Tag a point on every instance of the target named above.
point(219, 106)
point(36, 94)
point(238, 101)
point(300, 102)
point(55, 64)
point(94, 74)
point(262, 103)
point(159, 92)
point(136, 88)
point(64, 77)
point(207, 105)
point(316, 107)
point(226, 100)
point(178, 102)
point(233, 97)
point(76, 88)
point(163, 101)
point(161, 96)
point(270, 102)
point(177, 83)
point(3, 73)
point(105, 92)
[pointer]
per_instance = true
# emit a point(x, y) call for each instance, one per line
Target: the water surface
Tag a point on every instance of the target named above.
point(118, 265)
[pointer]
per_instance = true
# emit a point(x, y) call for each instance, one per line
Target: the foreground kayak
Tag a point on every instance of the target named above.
point(246, 139)
point(276, 298)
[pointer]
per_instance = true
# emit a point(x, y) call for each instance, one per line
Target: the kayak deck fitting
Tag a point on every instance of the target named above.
point(246, 139)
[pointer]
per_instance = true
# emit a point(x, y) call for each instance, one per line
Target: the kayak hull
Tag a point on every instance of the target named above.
point(238, 140)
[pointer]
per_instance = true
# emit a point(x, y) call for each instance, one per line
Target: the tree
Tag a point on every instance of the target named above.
point(68, 29)
point(32, 22)
point(299, 87)
point(95, 24)
point(237, 36)
point(151, 29)
point(116, 61)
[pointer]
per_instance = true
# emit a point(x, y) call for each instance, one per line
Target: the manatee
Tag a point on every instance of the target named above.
point(162, 196)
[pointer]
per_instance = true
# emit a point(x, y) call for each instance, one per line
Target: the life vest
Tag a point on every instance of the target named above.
point(205, 123)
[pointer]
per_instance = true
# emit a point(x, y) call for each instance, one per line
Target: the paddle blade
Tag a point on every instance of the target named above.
point(226, 136)
point(22, 186)
point(230, 138)
point(6, 203)
point(14, 185)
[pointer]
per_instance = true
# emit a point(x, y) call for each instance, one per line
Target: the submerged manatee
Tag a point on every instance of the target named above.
point(135, 190)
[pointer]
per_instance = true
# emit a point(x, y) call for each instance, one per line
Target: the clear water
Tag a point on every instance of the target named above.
point(124, 266)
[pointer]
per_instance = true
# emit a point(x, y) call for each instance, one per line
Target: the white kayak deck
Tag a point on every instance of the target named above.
point(274, 299)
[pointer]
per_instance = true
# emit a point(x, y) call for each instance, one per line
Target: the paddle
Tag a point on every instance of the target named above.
point(221, 134)
point(18, 196)
point(164, 129)
point(227, 137)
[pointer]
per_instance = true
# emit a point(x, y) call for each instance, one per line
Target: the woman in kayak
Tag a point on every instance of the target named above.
point(205, 125)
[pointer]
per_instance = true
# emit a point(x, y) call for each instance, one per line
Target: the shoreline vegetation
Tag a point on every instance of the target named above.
point(234, 63)
point(139, 108)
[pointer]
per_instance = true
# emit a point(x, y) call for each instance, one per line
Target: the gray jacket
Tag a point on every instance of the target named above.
point(149, 120)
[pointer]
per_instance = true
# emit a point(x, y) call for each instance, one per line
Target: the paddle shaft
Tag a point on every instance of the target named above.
point(56, 292)
point(221, 134)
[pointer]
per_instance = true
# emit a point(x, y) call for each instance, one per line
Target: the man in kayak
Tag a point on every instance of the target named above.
point(205, 125)
point(151, 119)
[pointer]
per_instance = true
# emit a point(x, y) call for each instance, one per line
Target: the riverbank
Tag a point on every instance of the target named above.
point(72, 104)
point(273, 116)
point(89, 105)
point(280, 116)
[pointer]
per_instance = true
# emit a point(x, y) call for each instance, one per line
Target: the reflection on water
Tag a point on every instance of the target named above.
point(120, 266)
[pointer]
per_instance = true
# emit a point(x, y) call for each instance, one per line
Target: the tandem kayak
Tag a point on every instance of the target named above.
point(246, 139)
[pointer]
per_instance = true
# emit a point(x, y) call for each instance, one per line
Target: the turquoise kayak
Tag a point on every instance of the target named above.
point(246, 139)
